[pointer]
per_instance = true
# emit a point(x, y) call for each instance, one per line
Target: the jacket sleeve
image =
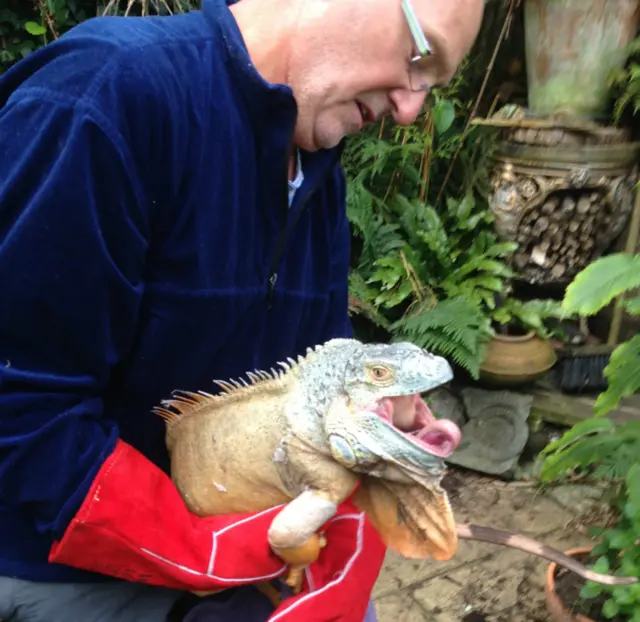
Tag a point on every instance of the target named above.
point(73, 236)
point(74, 229)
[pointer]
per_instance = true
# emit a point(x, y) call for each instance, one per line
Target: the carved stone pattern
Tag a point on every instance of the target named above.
point(561, 222)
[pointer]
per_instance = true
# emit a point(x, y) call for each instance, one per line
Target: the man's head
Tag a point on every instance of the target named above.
point(349, 61)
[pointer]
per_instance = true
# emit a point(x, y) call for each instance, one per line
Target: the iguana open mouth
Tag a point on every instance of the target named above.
point(410, 415)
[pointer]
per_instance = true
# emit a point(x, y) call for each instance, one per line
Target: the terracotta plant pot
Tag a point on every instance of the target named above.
point(517, 359)
point(555, 606)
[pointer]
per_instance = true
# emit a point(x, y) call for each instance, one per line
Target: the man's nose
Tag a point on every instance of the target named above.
point(407, 105)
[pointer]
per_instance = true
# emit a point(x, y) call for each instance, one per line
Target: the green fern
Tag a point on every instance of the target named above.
point(453, 328)
point(360, 301)
point(411, 258)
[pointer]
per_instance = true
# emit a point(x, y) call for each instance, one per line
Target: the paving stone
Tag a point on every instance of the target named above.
point(491, 585)
point(505, 585)
point(579, 499)
point(401, 607)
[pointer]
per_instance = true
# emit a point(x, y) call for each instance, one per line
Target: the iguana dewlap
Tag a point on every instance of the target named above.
point(303, 437)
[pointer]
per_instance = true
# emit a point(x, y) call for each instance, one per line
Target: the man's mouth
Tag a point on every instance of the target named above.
point(410, 415)
point(366, 112)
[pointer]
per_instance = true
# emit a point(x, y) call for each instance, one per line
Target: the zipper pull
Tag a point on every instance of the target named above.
point(272, 284)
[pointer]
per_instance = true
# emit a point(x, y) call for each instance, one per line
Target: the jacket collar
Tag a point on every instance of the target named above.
point(271, 106)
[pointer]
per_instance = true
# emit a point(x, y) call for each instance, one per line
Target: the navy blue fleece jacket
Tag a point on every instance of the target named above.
point(146, 244)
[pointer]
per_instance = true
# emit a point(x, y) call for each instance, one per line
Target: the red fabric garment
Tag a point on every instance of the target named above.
point(134, 525)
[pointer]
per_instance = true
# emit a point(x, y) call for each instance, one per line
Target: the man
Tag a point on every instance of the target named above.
point(148, 242)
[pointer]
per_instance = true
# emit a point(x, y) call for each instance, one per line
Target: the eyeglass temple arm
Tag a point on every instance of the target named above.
point(421, 41)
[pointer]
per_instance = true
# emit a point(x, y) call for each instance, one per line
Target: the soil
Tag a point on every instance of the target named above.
point(568, 586)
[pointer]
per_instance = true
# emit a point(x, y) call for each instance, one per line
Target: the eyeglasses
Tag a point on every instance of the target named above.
point(417, 78)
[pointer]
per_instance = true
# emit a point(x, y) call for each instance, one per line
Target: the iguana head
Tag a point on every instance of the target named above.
point(386, 422)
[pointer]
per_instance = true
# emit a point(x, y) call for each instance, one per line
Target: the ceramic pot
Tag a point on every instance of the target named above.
point(555, 607)
point(571, 46)
point(517, 359)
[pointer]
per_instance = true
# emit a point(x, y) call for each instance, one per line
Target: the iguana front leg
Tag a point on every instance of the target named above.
point(293, 536)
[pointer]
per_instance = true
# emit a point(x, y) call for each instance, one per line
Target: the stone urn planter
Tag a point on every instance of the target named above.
point(571, 46)
point(513, 359)
point(558, 611)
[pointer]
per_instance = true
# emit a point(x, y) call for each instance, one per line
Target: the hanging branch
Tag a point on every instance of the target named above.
point(513, 4)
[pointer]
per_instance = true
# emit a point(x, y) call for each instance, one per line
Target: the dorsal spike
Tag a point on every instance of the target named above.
point(224, 385)
point(183, 404)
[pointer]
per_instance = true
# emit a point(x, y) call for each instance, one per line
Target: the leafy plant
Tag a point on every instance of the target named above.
point(599, 448)
point(626, 82)
point(432, 276)
point(454, 327)
point(614, 452)
point(527, 315)
point(27, 26)
point(593, 289)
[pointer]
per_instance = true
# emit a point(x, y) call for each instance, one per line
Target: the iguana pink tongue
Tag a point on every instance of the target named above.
point(410, 414)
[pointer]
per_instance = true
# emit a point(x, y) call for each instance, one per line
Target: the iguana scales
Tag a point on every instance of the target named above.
point(347, 414)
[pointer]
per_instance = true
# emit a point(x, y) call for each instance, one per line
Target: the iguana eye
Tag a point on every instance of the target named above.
point(380, 373)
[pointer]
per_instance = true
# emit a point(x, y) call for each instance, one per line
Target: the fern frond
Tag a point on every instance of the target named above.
point(594, 287)
point(454, 328)
point(360, 300)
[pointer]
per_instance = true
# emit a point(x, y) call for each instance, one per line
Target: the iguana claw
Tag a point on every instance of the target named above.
point(299, 557)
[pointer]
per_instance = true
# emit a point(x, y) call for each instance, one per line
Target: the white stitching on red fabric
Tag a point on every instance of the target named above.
point(341, 575)
point(212, 558)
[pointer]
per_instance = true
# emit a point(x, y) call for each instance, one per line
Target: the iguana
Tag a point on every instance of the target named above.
point(347, 416)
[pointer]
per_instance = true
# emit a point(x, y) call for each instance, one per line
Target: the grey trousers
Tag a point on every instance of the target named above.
point(24, 601)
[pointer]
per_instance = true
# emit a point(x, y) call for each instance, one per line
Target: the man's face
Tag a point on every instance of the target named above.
point(351, 62)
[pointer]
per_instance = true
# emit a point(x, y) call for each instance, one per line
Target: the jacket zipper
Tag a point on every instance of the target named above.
point(286, 231)
point(285, 234)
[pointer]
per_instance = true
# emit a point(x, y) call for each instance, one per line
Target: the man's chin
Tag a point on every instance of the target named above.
point(324, 137)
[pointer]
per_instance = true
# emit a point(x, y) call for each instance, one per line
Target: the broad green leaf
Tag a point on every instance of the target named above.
point(610, 608)
point(34, 28)
point(619, 538)
point(443, 115)
point(591, 589)
point(595, 286)
point(622, 374)
point(578, 431)
point(632, 305)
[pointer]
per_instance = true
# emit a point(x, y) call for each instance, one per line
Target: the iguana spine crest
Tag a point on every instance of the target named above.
point(186, 403)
